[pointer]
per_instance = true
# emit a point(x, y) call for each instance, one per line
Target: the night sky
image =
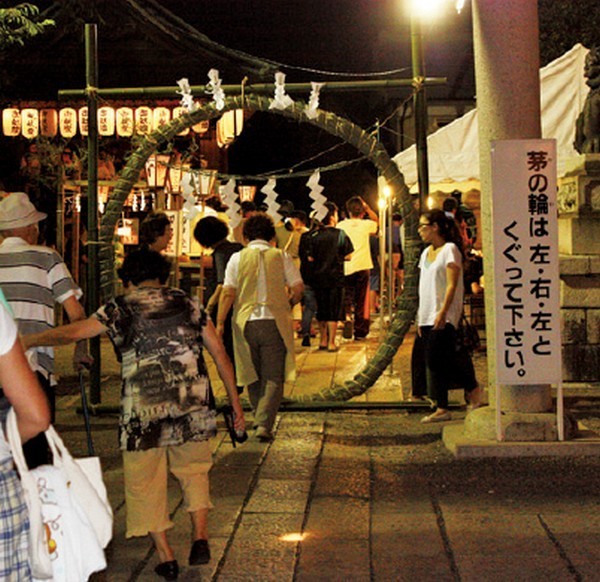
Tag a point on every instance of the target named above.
point(339, 36)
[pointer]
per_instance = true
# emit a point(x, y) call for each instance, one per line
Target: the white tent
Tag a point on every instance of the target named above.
point(453, 150)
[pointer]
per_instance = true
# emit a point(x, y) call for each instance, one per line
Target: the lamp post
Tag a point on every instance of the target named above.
point(420, 106)
point(419, 10)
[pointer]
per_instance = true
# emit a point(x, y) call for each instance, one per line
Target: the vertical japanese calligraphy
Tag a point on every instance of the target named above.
point(525, 219)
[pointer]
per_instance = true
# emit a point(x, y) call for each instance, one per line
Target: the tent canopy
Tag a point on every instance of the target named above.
point(453, 150)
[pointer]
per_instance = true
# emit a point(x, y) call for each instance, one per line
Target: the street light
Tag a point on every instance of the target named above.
point(419, 11)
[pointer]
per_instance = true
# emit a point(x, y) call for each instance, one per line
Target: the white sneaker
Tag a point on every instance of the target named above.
point(436, 417)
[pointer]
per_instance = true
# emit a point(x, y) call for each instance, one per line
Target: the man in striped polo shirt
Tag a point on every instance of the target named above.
point(34, 278)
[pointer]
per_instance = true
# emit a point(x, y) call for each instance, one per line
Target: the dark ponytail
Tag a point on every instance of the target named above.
point(447, 227)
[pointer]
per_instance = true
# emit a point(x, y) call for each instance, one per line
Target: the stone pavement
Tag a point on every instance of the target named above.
point(365, 494)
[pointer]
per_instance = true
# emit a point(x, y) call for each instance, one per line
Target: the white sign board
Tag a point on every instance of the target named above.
point(525, 223)
point(172, 249)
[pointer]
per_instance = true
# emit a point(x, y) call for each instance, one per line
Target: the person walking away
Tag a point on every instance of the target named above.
point(247, 209)
point(167, 407)
point(211, 233)
point(309, 300)
point(24, 393)
point(324, 252)
point(358, 228)
point(34, 279)
point(256, 285)
point(441, 291)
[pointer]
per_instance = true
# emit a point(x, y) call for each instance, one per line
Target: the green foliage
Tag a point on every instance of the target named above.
point(564, 23)
point(19, 24)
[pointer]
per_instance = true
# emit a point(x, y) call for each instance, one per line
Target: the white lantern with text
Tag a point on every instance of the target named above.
point(143, 120)
point(11, 122)
point(67, 121)
point(30, 123)
point(160, 116)
point(82, 116)
point(106, 121)
point(124, 121)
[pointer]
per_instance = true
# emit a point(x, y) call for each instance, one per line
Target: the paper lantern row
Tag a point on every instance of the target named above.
point(124, 121)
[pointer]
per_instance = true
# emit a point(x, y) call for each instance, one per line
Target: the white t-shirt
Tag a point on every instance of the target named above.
point(291, 273)
point(359, 231)
point(8, 336)
point(432, 286)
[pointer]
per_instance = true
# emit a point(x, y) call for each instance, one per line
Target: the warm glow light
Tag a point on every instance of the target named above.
point(124, 121)
point(427, 8)
point(143, 120)
point(30, 123)
point(106, 121)
point(67, 120)
point(293, 537)
point(11, 121)
point(247, 192)
point(160, 116)
point(229, 127)
point(430, 202)
point(82, 117)
point(382, 203)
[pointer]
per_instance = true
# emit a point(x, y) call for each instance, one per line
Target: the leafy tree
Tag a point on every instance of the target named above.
point(20, 23)
point(564, 23)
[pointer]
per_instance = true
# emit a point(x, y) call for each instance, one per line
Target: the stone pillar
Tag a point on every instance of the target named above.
point(508, 104)
point(579, 245)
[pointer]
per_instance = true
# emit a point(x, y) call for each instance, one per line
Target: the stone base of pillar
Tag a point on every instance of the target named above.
point(516, 426)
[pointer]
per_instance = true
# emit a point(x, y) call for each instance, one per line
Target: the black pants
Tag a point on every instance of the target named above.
point(357, 296)
point(437, 366)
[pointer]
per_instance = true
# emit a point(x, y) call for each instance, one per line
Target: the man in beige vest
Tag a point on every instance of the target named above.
point(257, 280)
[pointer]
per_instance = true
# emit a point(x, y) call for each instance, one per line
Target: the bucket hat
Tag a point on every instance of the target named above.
point(17, 211)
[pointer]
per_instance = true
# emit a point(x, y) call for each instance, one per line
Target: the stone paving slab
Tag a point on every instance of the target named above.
point(333, 559)
point(367, 495)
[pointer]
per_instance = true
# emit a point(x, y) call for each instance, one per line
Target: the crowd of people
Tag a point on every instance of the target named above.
point(268, 282)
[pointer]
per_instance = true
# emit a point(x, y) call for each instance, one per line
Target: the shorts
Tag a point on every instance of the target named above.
point(146, 479)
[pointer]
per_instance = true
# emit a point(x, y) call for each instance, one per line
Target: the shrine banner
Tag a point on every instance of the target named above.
point(526, 272)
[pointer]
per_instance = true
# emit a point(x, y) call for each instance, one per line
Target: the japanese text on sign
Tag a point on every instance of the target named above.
point(528, 349)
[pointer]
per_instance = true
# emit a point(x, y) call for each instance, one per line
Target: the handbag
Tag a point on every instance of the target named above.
point(39, 556)
point(70, 517)
point(467, 336)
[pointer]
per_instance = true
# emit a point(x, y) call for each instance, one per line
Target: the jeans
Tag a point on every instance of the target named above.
point(309, 304)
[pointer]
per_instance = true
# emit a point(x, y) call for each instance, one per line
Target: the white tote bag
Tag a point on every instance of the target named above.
point(85, 481)
point(77, 518)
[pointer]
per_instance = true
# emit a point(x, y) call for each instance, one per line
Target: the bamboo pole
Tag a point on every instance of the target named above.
point(93, 270)
point(259, 88)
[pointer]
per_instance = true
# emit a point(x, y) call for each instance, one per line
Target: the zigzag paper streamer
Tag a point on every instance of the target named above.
point(228, 196)
point(189, 187)
point(187, 100)
point(315, 188)
point(313, 101)
point(281, 100)
point(270, 199)
point(214, 88)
